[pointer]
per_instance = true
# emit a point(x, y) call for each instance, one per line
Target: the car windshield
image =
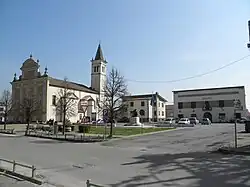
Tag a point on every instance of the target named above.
point(169, 119)
point(191, 118)
point(183, 119)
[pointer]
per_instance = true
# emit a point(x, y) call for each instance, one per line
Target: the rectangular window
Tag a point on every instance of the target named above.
point(154, 104)
point(162, 105)
point(162, 113)
point(53, 100)
point(193, 104)
point(221, 103)
point(155, 113)
point(193, 115)
point(1, 109)
point(159, 104)
point(180, 105)
point(103, 69)
point(159, 113)
point(222, 116)
point(131, 104)
point(142, 103)
point(97, 68)
point(180, 116)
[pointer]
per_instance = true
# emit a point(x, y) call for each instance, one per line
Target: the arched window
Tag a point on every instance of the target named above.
point(142, 112)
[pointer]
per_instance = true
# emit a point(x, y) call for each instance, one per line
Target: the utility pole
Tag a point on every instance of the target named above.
point(248, 45)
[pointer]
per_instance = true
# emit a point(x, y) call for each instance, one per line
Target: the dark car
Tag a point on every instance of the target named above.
point(243, 120)
point(205, 121)
point(194, 120)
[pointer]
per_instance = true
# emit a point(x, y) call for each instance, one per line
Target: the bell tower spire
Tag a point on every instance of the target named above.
point(99, 54)
point(98, 70)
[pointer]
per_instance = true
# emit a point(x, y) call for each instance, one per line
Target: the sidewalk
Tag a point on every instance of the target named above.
point(243, 145)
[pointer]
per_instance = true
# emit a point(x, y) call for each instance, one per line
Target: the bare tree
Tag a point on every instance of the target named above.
point(114, 90)
point(29, 107)
point(66, 103)
point(6, 101)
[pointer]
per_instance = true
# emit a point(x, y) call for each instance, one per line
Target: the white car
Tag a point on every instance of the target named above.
point(168, 122)
point(184, 121)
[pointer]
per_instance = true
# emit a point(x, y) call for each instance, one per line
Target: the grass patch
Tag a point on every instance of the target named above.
point(125, 131)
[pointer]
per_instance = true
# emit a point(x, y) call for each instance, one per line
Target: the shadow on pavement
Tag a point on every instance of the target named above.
point(190, 169)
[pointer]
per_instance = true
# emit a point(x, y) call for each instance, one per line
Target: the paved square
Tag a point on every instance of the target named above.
point(174, 158)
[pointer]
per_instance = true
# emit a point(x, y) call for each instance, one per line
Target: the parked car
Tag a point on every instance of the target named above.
point(114, 123)
point(184, 121)
point(123, 120)
point(168, 122)
point(194, 120)
point(206, 121)
point(243, 120)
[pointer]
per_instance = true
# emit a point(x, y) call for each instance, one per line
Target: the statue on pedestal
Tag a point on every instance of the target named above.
point(134, 113)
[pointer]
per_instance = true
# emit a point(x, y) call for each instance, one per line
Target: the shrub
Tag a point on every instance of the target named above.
point(84, 128)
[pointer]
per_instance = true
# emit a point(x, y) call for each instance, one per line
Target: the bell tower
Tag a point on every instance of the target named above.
point(98, 71)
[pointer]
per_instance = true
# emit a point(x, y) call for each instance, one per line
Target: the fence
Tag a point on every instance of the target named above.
point(7, 131)
point(14, 164)
point(89, 184)
point(68, 137)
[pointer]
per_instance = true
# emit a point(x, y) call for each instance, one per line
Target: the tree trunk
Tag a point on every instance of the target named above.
point(64, 119)
point(111, 126)
point(28, 126)
point(111, 130)
point(5, 118)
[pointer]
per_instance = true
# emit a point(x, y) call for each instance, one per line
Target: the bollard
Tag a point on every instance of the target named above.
point(14, 166)
point(88, 183)
point(33, 171)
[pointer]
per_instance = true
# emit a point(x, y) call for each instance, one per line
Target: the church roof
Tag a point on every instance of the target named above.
point(99, 54)
point(29, 63)
point(71, 85)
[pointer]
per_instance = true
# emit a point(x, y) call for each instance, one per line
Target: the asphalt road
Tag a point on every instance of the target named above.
point(174, 158)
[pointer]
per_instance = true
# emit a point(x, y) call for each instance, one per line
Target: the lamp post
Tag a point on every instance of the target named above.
point(237, 105)
point(235, 129)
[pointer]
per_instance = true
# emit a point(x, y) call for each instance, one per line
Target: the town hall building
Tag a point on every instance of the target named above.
point(217, 104)
point(42, 93)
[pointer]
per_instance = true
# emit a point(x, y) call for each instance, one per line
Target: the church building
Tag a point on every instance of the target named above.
point(43, 93)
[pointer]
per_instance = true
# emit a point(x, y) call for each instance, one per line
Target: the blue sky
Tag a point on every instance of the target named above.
point(145, 39)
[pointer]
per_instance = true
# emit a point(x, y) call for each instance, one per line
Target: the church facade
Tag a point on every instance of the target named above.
point(42, 93)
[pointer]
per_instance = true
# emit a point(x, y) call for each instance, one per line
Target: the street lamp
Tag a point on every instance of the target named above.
point(237, 106)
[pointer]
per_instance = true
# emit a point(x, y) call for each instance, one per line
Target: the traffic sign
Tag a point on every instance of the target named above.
point(105, 115)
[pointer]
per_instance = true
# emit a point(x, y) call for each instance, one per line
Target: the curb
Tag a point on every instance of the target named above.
point(67, 140)
point(1, 132)
point(10, 135)
point(26, 178)
point(144, 134)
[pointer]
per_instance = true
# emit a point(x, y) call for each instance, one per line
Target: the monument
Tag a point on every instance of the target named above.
point(135, 120)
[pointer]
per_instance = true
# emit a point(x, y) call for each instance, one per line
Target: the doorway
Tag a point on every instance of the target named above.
point(208, 115)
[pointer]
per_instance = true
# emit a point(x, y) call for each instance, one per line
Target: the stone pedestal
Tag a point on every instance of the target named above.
point(135, 121)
